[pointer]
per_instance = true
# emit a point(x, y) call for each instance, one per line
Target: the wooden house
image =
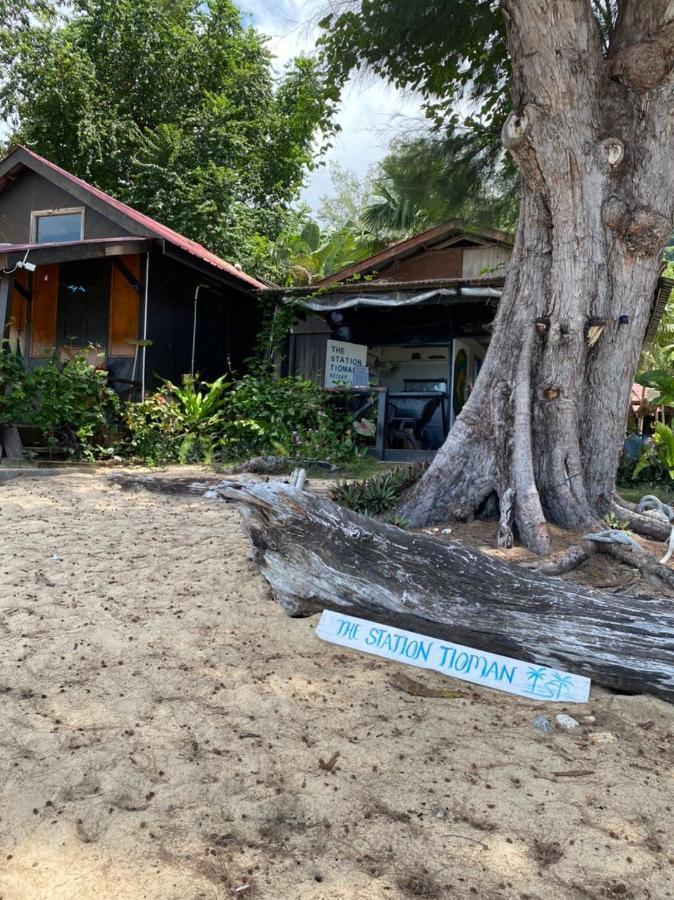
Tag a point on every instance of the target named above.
point(80, 269)
point(419, 315)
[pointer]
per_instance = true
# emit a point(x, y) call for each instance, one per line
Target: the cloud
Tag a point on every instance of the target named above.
point(371, 112)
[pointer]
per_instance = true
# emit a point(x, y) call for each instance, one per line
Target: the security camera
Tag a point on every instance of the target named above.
point(28, 266)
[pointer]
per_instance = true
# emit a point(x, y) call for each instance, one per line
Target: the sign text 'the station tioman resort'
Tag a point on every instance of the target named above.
point(341, 359)
point(477, 666)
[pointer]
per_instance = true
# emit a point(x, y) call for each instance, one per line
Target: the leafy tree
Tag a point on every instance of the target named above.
point(347, 200)
point(172, 106)
point(580, 93)
point(426, 180)
point(311, 254)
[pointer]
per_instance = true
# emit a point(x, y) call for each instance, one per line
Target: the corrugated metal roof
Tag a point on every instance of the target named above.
point(427, 238)
point(662, 294)
point(151, 225)
point(377, 286)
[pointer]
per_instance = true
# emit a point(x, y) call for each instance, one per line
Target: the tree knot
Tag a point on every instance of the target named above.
point(647, 64)
point(643, 230)
point(612, 152)
point(515, 128)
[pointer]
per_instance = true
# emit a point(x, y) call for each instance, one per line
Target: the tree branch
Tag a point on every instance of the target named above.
point(641, 54)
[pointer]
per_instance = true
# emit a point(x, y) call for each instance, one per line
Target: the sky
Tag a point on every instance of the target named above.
point(371, 112)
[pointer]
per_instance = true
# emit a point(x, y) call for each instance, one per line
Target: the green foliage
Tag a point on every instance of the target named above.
point(278, 317)
point(311, 254)
point(425, 181)
point(173, 107)
point(178, 423)
point(378, 495)
point(256, 416)
point(155, 427)
point(662, 381)
point(657, 460)
point(286, 417)
point(70, 403)
point(201, 403)
point(612, 521)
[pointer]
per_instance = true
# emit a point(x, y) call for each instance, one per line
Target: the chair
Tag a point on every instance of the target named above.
point(407, 430)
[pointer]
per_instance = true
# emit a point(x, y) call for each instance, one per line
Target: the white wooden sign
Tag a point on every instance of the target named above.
point(477, 666)
point(340, 360)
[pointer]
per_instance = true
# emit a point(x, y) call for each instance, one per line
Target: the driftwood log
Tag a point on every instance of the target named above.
point(316, 555)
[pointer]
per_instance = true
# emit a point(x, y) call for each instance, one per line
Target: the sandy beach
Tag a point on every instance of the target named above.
point(169, 733)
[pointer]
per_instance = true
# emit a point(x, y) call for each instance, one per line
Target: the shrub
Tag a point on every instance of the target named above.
point(286, 417)
point(70, 403)
point(156, 428)
point(256, 416)
point(657, 460)
point(378, 495)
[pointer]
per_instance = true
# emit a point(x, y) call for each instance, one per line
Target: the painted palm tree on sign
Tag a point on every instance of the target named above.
point(559, 683)
point(534, 675)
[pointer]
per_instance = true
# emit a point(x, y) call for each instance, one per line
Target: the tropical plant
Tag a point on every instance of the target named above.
point(661, 452)
point(660, 380)
point(378, 495)
point(431, 178)
point(201, 402)
point(311, 254)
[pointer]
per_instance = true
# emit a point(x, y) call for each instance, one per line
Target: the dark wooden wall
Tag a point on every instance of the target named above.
point(227, 323)
point(32, 192)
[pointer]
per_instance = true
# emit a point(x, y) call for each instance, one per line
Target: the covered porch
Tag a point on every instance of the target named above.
point(134, 306)
point(421, 348)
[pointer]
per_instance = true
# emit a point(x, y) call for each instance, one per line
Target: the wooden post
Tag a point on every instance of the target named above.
point(382, 412)
point(6, 282)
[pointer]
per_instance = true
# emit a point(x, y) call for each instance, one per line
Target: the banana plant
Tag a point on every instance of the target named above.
point(202, 402)
point(662, 451)
point(662, 381)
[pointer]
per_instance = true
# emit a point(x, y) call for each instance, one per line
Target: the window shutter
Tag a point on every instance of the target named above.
point(45, 299)
point(124, 305)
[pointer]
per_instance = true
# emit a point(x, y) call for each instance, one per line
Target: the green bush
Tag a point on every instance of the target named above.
point(287, 417)
point(656, 463)
point(70, 403)
point(256, 416)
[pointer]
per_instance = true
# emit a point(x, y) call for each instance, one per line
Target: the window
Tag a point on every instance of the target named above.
point(53, 226)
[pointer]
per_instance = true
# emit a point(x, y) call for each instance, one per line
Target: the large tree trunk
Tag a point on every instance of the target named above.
point(592, 138)
point(317, 555)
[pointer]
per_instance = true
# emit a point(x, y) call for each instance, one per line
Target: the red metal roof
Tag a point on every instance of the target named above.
point(407, 247)
point(156, 228)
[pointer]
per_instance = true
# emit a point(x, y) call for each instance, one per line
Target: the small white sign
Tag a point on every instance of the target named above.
point(340, 361)
point(477, 666)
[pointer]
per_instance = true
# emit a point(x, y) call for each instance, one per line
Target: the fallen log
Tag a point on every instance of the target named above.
point(316, 555)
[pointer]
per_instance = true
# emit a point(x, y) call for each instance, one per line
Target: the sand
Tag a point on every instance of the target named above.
point(167, 732)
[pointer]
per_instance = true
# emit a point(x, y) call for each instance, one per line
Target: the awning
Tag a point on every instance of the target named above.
point(335, 301)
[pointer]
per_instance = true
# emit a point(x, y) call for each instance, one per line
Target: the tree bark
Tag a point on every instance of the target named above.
point(316, 555)
point(591, 136)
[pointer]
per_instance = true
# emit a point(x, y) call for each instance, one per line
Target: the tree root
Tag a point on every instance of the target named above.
point(629, 554)
point(646, 524)
point(646, 563)
point(568, 561)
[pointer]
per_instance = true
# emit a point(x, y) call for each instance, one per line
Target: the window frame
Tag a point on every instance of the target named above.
point(37, 214)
